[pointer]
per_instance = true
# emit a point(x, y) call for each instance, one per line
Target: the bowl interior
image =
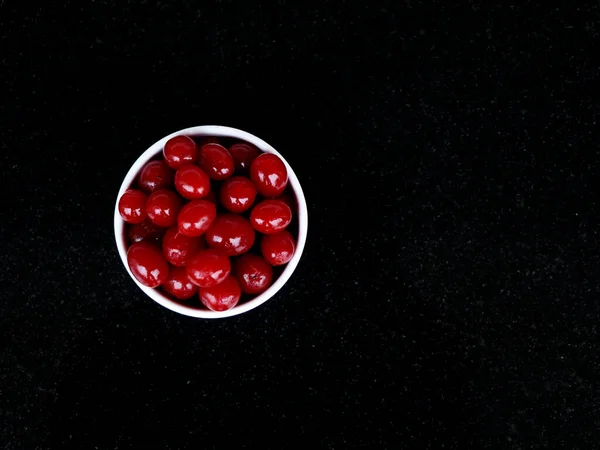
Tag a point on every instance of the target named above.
point(288, 269)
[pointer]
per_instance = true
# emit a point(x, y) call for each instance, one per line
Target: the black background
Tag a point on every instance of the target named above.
point(448, 294)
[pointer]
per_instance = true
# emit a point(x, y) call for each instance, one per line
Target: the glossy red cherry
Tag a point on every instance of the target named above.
point(132, 206)
point(253, 273)
point(278, 248)
point(163, 207)
point(196, 217)
point(270, 216)
point(216, 161)
point(179, 285)
point(179, 151)
point(269, 174)
point(179, 248)
point(243, 154)
point(237, 194)
point(192, 182)
point(223, 296)
point(154, 176)
point(145, 231)
point(147, 264)
point(208, 268)
point(231, 233)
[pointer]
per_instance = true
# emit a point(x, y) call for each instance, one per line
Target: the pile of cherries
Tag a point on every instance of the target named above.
point(193, 217)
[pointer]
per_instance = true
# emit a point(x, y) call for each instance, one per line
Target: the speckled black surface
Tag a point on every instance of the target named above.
point(448, 296)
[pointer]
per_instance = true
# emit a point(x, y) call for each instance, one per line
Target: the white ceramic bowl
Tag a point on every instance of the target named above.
point(301, 214)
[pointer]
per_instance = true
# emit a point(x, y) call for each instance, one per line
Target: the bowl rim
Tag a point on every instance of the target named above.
point(218, 131)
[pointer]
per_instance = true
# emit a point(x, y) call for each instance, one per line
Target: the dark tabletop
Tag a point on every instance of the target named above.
point(448, 294)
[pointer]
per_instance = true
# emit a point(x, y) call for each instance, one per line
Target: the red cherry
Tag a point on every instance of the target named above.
point(270, 216)
point(196, 217)
point(269, 174)
point(179, 248)
point(179, 285)
point(155, 175)
point(192, 182)
point(243, 154)
point(216, 161)
point(208, 268)
point(253, 273)
point(223, 296)
point(163, 207)
point(147, 264)
point(231, 233)
point(145, 231)
point(278, 248)
point(237, 194)
point(132, 206)
point(179, 151)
